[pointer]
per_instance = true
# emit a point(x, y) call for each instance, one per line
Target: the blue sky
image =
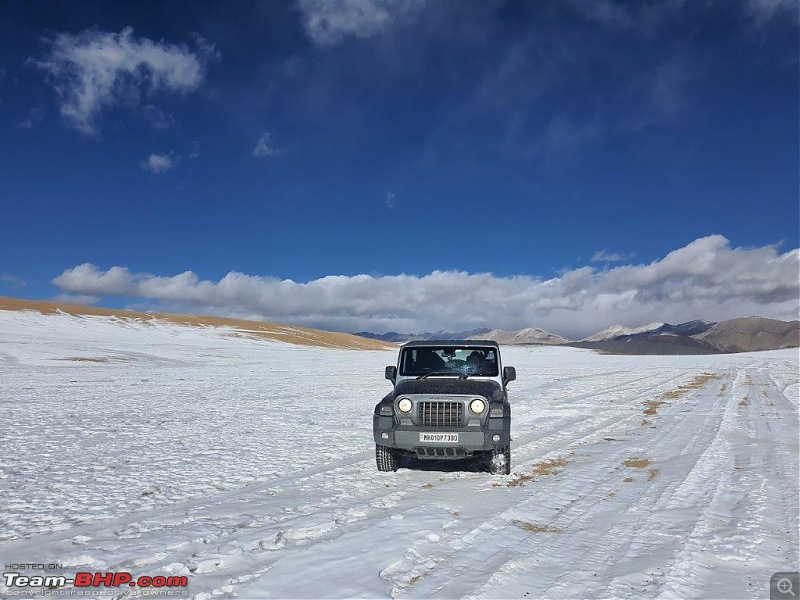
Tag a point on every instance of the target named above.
point(302, 145)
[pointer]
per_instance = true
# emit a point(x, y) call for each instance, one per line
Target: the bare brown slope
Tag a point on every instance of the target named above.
point(273, 331)
point(753, 333)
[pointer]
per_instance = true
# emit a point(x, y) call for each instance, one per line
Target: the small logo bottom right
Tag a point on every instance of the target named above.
point(784, 585)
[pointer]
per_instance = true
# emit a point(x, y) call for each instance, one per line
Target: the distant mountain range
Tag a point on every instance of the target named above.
point(693, 337)
point(393, 336)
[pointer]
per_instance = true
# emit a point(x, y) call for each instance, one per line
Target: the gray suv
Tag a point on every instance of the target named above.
point(449, 402)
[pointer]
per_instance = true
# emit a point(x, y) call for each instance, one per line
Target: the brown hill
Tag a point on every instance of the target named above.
point(273, 331)
point(657, 344)
point(753, 333)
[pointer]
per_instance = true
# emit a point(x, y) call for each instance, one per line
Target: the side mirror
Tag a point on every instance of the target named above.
point(509, 374)
point(391, 373)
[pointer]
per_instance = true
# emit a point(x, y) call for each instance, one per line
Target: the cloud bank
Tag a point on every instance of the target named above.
point(705, 279)
point(94, 70)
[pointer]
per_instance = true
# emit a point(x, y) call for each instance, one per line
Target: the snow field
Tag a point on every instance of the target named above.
point(248, 466)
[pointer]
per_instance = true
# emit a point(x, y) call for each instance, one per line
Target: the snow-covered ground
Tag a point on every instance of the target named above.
point(248, 465)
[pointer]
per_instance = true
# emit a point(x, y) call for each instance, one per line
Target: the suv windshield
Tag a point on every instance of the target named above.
point(444, 360)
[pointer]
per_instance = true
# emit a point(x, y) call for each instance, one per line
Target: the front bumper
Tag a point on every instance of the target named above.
point(470, 440)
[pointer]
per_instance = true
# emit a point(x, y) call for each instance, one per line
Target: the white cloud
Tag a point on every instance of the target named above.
point(328, 22)
point(264, 146)
point(705, 279)
point(391, 199)
point(158, 163)
point(94, 70)
point(603, 256)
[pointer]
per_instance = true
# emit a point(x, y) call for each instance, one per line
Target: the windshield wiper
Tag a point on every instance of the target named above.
point(438, 374)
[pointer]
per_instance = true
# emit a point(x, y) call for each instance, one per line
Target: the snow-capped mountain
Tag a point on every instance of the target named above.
point(529, 335)
point(619, 330)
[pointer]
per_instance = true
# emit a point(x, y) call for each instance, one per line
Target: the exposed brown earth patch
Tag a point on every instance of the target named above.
point(519, 480)
point(651, 406)
point(638, 463)
point(535, 528)
point(652, 474)
point(547, 467)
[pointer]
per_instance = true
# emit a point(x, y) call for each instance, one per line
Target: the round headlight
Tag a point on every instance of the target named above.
point(405, 405)
point(477, 406)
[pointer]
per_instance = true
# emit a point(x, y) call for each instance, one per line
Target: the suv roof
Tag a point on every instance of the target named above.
point(451, 343)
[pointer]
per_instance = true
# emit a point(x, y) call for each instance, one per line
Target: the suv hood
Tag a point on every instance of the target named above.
point(490, 390)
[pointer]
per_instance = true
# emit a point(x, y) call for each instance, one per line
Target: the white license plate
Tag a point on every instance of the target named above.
point(439, 438)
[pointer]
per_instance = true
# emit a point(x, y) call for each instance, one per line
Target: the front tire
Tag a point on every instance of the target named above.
point(500, 461)
point(387, 459)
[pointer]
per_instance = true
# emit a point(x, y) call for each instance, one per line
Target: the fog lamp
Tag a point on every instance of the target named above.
point(384, 436)
point(495, 438)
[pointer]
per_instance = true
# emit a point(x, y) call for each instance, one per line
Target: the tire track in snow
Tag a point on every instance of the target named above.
point(728, 484)
point(591, 430)
point(479, 543)
point(598, 547)
point(566, 428)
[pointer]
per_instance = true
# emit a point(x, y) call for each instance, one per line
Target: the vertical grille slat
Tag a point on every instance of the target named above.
point(441, 414)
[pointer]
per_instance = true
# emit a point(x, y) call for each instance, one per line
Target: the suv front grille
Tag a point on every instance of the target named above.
point(441, 414)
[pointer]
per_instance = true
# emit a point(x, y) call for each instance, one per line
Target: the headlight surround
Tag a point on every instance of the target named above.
point(404, 405)
point(477, 406)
